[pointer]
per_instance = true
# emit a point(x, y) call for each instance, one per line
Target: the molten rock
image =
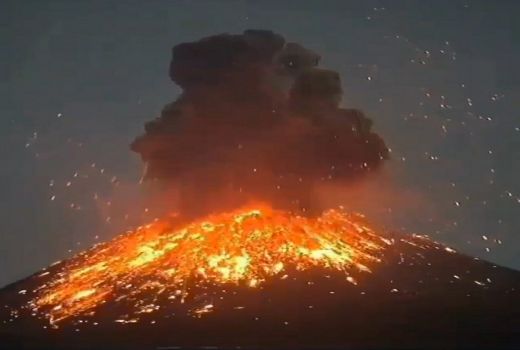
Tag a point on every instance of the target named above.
point(262, 277)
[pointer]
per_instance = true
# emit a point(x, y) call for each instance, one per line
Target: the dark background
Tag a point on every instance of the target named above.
point(79, 78)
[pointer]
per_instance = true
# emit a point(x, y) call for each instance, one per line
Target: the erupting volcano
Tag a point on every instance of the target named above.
point(259, 122)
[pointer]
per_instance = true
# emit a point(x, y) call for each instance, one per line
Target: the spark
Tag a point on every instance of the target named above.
point(246, 246)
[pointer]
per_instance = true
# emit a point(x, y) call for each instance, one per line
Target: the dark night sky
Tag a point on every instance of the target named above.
point(79, 78)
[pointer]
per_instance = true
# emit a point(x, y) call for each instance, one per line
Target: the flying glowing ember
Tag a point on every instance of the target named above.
point(245, 246)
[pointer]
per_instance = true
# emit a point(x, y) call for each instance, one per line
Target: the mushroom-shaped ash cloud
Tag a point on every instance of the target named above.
point(257, 120)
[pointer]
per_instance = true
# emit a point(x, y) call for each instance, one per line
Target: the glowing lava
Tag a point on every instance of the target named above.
point(246, 246)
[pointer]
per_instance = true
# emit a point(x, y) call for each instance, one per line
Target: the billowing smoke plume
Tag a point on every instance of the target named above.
point(257, 120)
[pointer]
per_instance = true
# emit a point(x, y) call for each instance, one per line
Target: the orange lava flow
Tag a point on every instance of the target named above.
point(245, 246)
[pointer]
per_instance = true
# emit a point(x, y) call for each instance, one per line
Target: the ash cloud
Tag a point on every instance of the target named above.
point(258, 119)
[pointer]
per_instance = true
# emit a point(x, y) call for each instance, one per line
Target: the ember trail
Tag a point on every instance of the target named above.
point(245, 246)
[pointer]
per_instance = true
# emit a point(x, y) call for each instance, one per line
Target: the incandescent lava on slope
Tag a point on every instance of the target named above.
point(257, 276)
point(245, 246)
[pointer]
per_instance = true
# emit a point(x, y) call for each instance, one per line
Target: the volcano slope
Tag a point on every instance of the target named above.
point(408, 292)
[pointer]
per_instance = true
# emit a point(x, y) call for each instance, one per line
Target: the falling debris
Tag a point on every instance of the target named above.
point(246, 246)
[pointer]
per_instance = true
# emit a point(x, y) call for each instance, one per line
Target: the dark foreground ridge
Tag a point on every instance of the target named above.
point(420, 296)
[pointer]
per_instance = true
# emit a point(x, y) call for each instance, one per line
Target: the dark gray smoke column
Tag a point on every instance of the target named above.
point(257, 120)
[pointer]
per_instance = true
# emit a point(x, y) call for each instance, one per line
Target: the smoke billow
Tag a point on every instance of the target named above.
point(257, 120)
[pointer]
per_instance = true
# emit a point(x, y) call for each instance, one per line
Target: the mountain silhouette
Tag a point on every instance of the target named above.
point(421, 295)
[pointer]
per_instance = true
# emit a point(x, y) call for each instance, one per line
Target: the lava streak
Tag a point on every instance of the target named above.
point(245, 246)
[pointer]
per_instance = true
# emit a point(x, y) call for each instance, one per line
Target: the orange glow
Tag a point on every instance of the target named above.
point(245, 246)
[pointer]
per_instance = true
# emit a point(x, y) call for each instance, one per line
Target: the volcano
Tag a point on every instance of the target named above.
point(264, 278)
